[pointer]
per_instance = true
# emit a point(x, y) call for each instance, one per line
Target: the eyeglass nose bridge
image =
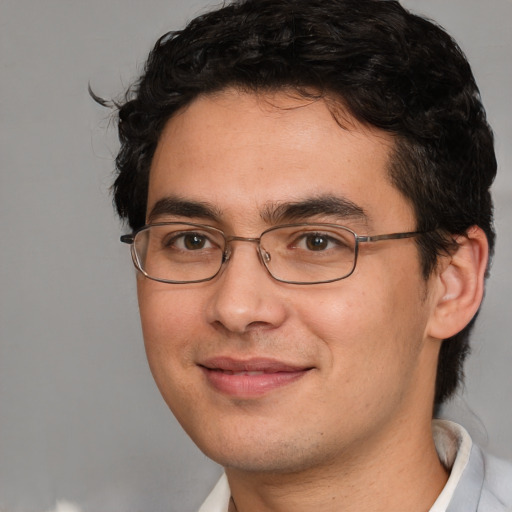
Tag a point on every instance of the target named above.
point(262, 253)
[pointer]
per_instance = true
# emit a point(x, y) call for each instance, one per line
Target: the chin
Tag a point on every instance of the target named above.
point(263, 454)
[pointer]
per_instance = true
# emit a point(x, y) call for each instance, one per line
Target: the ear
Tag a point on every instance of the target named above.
point(459, 285)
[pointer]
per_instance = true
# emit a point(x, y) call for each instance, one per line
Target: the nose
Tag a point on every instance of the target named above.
point(245, 297)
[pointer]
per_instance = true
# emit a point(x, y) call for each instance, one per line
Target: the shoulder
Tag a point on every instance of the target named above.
point(497, 485)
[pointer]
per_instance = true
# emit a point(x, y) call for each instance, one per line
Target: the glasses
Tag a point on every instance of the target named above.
point(183, 252)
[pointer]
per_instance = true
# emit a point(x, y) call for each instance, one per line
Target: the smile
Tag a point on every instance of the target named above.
point(250, 379)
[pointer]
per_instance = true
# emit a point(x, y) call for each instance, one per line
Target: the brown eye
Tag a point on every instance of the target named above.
point(187, 241)
point(317, 242)
point(194, 241)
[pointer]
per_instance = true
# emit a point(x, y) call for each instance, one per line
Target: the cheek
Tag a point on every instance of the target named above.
point(169, 321)
point(370, 328)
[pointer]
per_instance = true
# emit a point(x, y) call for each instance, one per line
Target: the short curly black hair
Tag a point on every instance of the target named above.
point(385, 66)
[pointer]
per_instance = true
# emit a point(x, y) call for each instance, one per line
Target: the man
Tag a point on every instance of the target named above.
point(308, 187)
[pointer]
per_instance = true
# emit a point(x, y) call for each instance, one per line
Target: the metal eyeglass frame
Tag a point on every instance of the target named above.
point(130, 239)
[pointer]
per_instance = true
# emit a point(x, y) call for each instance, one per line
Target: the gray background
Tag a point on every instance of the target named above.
point(80, 417)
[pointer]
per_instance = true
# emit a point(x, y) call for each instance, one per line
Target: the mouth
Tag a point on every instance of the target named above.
point(250, 378)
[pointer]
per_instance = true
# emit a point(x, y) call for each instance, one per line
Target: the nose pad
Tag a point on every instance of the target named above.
point(266, 256)
point(226, 255)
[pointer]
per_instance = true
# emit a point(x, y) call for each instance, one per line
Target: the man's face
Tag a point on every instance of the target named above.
point(268, 376)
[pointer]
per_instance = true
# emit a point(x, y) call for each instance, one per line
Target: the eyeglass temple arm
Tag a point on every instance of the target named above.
point(391, 236)
point(127, 239)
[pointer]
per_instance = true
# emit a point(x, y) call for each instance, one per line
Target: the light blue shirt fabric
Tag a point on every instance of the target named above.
point(484, 486)
point(478, 482)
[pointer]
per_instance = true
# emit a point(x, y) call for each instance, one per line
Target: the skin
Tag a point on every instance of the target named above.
point(352, 431)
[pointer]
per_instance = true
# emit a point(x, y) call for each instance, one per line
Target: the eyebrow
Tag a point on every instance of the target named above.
point(179, 207)
point(325, 205)
point(272, 213)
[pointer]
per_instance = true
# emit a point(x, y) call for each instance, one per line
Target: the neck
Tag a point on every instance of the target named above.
point(402, 474)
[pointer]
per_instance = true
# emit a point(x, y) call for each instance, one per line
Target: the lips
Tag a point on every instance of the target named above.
point(250, 378)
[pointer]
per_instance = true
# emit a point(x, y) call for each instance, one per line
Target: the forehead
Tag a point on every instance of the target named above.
point(242, 151)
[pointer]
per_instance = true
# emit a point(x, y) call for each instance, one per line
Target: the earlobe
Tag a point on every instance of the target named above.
point(459, 285)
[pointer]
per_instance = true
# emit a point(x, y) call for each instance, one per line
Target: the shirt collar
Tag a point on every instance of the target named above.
point(453, 445)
